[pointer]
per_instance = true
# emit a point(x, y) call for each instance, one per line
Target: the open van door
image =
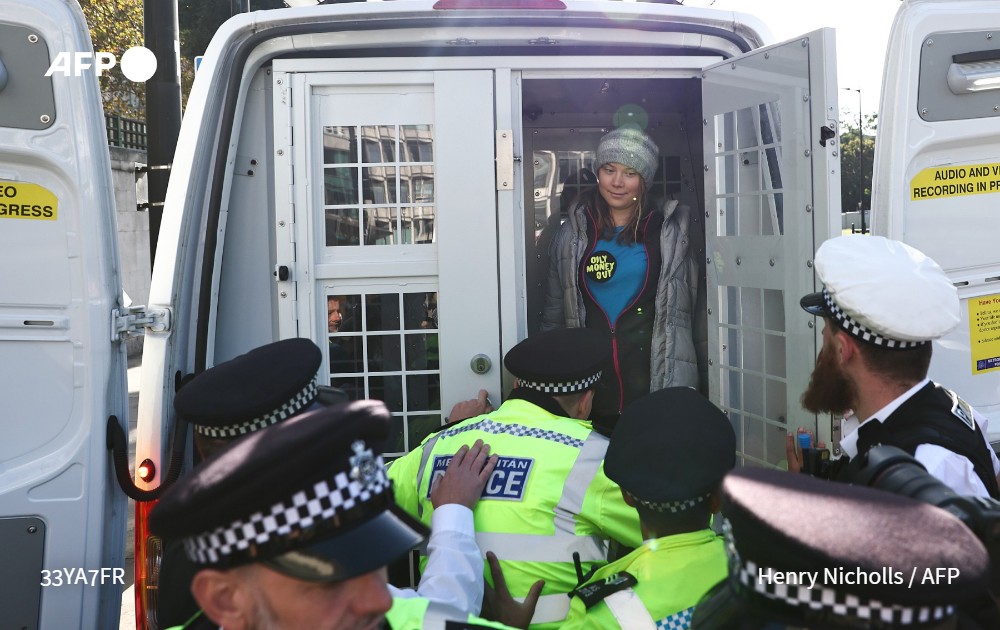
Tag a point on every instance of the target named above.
point(937, 174)
point(772, 195)
point(62, 516)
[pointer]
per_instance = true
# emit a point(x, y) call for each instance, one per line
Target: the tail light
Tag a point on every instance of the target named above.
point(148, 553)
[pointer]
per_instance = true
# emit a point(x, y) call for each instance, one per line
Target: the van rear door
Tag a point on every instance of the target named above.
point(937, 174)
point(393, 205)
point(772, 194)
point(62, 518)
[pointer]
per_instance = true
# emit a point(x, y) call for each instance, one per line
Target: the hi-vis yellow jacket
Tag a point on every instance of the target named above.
point(417, 613)
point(547, 498)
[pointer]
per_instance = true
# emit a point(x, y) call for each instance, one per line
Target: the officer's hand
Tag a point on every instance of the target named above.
point(471, 408)
point(498, 605)
point(466, 476)
point(793, 454)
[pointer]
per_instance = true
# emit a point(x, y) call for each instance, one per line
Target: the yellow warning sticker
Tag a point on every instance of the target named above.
point(956, 181)
point(984, 332)
point(19, 200)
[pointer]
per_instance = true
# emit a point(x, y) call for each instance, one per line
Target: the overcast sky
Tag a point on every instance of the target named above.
point(862, 29)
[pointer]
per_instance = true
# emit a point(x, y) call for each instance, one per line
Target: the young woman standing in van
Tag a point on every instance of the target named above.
point(624, 265)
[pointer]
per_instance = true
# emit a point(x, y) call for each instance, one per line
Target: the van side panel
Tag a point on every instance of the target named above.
point(937, 174)
point(61, 513)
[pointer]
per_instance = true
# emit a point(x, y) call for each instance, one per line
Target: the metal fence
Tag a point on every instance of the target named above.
point(125, 132)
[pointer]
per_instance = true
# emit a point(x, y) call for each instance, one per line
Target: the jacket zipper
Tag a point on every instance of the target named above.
point(611, 325)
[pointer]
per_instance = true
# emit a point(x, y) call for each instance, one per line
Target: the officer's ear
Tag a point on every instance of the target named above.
point(715, 501)
point(585, 404)
point(224, 597)
point(845, 346)
point(629, 499)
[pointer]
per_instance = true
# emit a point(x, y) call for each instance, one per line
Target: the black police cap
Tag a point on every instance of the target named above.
point(308, 497)
point(560, 361)
point(879, 558)
point(252, 391)
point(670, 449)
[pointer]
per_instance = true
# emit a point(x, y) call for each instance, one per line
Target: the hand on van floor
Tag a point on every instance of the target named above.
point(466, 476)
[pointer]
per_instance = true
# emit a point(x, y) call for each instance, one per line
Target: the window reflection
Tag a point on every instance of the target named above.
point(340, 145)
point(364, 176)
point(384, 346)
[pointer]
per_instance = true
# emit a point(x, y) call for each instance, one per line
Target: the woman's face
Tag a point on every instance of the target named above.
point(619, 185)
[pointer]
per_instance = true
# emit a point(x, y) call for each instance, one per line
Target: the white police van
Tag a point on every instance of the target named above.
point(386, 157)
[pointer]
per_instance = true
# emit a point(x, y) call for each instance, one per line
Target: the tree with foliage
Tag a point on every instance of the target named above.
point(855, 177)
point(116, 26)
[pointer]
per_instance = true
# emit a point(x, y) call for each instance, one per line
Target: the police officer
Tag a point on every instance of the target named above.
point(276, 381)
point(548, 498)
point(882, 304)
point(809, 553)
point(232, 399)
point(669, 453)
point(292, 526)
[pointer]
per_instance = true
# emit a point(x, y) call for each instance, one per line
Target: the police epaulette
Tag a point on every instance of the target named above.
point(591, 594)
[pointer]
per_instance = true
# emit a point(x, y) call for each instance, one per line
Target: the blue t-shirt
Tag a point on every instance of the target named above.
point(615, 274)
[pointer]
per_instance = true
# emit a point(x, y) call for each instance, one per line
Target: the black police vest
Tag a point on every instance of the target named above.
point(934, 415)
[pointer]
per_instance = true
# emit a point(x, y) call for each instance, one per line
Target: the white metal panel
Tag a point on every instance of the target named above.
point(956, 230)
point(63, 375)
point(770, 189)
point(347, 139)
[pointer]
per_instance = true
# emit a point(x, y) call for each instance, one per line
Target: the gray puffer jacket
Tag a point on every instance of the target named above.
point(677, 343)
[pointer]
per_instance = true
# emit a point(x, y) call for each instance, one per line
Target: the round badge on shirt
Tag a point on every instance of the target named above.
point(601, 266)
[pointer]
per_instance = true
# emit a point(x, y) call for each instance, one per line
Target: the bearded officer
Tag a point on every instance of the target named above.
point(883, 302)
point(669, 453)
point(549, 497)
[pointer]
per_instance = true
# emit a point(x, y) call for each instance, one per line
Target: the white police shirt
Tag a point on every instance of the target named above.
point(954, 470)
point(454, 572)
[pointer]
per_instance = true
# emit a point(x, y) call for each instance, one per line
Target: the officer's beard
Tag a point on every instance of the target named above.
point(830, 390)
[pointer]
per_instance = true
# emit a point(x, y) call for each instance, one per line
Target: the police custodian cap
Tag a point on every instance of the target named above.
point(308, 497)
point(883, 292)
point(560, 361)
point(670, 449)
point(252, 391)
point(870, 551)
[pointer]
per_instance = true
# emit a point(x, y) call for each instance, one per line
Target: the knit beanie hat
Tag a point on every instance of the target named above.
point(631, 147)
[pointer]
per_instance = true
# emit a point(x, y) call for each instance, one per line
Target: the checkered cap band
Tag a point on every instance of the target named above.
point(562, 388)
point(674, 506)
point(677, 621)
point(297, 403)
point(865, 334)
point(496, 428)
point(325, 506)
point(823, 598)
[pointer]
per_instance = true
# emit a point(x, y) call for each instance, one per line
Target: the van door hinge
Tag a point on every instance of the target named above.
point(505, 159)
point(136, 319)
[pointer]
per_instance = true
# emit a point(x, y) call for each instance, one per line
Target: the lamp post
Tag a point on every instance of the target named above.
point(861, 160)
